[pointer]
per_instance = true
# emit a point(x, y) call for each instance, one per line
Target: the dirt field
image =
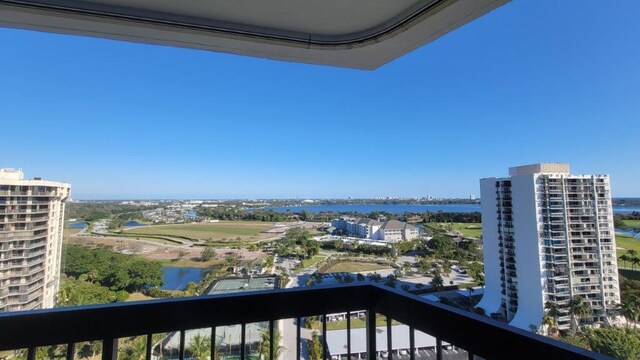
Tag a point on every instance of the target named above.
point(174, 255)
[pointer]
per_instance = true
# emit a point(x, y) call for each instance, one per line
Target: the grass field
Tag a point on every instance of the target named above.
point(473, 230)
point(314, 260)
point(221, 231)
point(354, 266)
point(631, 223)
point(628, 243)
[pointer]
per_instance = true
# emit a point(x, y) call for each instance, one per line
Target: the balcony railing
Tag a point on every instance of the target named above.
point(478, 335)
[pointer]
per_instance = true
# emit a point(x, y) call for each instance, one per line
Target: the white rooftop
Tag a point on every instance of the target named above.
point(337, 340)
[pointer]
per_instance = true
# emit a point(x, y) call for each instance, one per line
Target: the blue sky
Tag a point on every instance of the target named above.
point(532, 81)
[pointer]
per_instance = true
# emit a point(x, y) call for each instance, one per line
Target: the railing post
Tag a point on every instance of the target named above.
point(389, 339)
point(271, 339)
point(214, 347)
point(31, 354)
point(298, 344)
point(243, 331)
point(371, 334)
point(412, 343)
point(71, 351)
point(438, 349)
point(182, 345)
point(324, 336)
point(109, 349)
point(348, 335)
point(149, 345)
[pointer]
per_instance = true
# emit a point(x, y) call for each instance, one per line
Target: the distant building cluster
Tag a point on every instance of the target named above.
point(365, 228)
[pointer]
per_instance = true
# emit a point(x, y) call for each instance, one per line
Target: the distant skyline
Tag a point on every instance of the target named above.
point(530, 82)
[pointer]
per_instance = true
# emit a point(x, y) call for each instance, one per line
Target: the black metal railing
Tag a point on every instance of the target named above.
point(478, 335)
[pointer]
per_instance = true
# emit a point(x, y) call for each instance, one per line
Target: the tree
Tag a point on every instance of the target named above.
point(578, 309)
point(200, 347)
point(207, 254)
point(624, 258)
point(551, 315)
point(617, 342)
point(265, 344)
point(630, 309)
point(635, 261)
point(135, 349)
point(315, 347)
point(437, 282)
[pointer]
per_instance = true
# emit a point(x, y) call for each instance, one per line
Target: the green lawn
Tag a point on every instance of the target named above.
point(314, 260)
point(628, 243)
point(354, 266)
point(631, 223)
point(473, 230)
point(221, 231)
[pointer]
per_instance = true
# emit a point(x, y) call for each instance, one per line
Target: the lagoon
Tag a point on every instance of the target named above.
point(177, 278)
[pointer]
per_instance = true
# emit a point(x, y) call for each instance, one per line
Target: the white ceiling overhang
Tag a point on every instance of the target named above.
point(363, 34)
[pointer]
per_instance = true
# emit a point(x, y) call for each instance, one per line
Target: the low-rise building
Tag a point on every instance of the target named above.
point(365, 228)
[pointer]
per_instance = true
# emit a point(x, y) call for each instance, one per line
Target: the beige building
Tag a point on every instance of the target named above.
point(31, 225)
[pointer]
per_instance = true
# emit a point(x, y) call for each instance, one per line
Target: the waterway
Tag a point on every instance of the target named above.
point(402, 208)
point(132, 223)
point(390, 208)
point(177, 278)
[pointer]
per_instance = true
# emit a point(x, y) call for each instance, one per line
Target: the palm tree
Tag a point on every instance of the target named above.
point(634, 261)
point(265, 344)
point(630, 309)
point(551, 315)
point(632, 254)
point(624, 258)
point(578, 309)
point(200, 347)
point(136, 349)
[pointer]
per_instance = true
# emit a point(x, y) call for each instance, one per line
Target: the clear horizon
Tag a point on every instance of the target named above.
point(530, 82)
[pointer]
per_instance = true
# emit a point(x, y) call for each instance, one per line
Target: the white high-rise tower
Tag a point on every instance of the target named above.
point(548, 236)
point(31, 225)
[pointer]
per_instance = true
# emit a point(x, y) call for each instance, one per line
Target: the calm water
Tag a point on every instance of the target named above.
point(393, 209)
point(177, 278)
point(132, 223)
point(77, 225)
point(628, 232)
point(401, 208)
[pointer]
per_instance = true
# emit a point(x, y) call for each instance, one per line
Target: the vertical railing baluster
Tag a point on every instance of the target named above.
point(243, 331)
point(31, 354)
point(298, 342)
point(438, 349)
point(149, 345)
point(109, 349)
point(348, 335)
point(412, 343)
point(271, 339)
point(182, 346)
point(324, 336)
point(371, 334)
point(389, 339)
point(214, 347)
point(71, 351)
point(470, 355)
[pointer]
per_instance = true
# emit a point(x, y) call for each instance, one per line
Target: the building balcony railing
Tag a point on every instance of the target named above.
point(478, 335)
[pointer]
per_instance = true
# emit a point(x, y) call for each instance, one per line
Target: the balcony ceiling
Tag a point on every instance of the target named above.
point(362, 34)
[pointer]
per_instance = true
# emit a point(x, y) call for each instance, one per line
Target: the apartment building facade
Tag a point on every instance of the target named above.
point(31, 228)
point(548, 236)
point(387, 231)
